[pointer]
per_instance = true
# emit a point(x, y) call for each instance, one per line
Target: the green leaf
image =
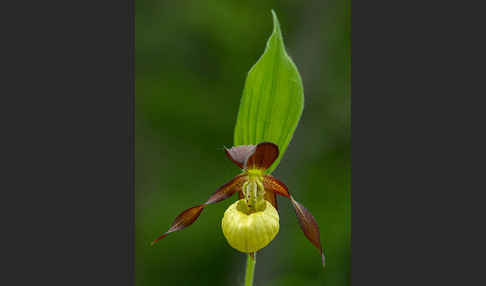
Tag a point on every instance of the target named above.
point(273, 98)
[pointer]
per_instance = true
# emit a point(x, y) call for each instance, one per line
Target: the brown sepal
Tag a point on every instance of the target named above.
point(276, 186)
point(265, 154)
point(309, 226)
point(239, 154)
point(189, 216)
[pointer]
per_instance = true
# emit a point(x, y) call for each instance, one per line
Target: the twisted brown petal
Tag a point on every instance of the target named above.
point(309, 226)
point(189, 216)
point(228, 189)
point(183, 220)
point(276, 186)
point(239, 154)
point(265, 154)
point(306, 221)
point(272, 198)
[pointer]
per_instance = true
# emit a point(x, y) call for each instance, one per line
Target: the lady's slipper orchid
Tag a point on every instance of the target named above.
point(252, 222)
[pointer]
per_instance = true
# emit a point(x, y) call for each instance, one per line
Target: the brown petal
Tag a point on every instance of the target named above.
point(228, 189)
point(309, 226)
point(272, 198)
point(239, 154)
point(274, 185)
point(189, 216)
point(265, 154)
point(186, 218)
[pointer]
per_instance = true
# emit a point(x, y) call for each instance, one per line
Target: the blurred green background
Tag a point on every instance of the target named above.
point(191, 63)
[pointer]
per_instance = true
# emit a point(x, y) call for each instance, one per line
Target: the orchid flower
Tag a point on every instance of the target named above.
point(252, 222)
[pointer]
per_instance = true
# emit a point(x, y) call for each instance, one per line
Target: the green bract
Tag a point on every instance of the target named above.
point(272, 100)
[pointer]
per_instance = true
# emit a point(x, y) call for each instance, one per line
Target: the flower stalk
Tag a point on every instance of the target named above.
point(250, 269)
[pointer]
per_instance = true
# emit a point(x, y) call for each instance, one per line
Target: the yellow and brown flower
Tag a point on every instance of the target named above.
point(252, 222)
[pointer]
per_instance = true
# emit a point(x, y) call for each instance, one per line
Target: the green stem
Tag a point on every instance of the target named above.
point(250, 269)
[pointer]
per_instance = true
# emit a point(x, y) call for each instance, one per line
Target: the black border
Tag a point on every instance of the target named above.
point(68, 143)
point(416, 119)
point(131, 247)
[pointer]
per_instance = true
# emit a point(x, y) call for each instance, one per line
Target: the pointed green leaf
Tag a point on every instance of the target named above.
point(273, 98)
